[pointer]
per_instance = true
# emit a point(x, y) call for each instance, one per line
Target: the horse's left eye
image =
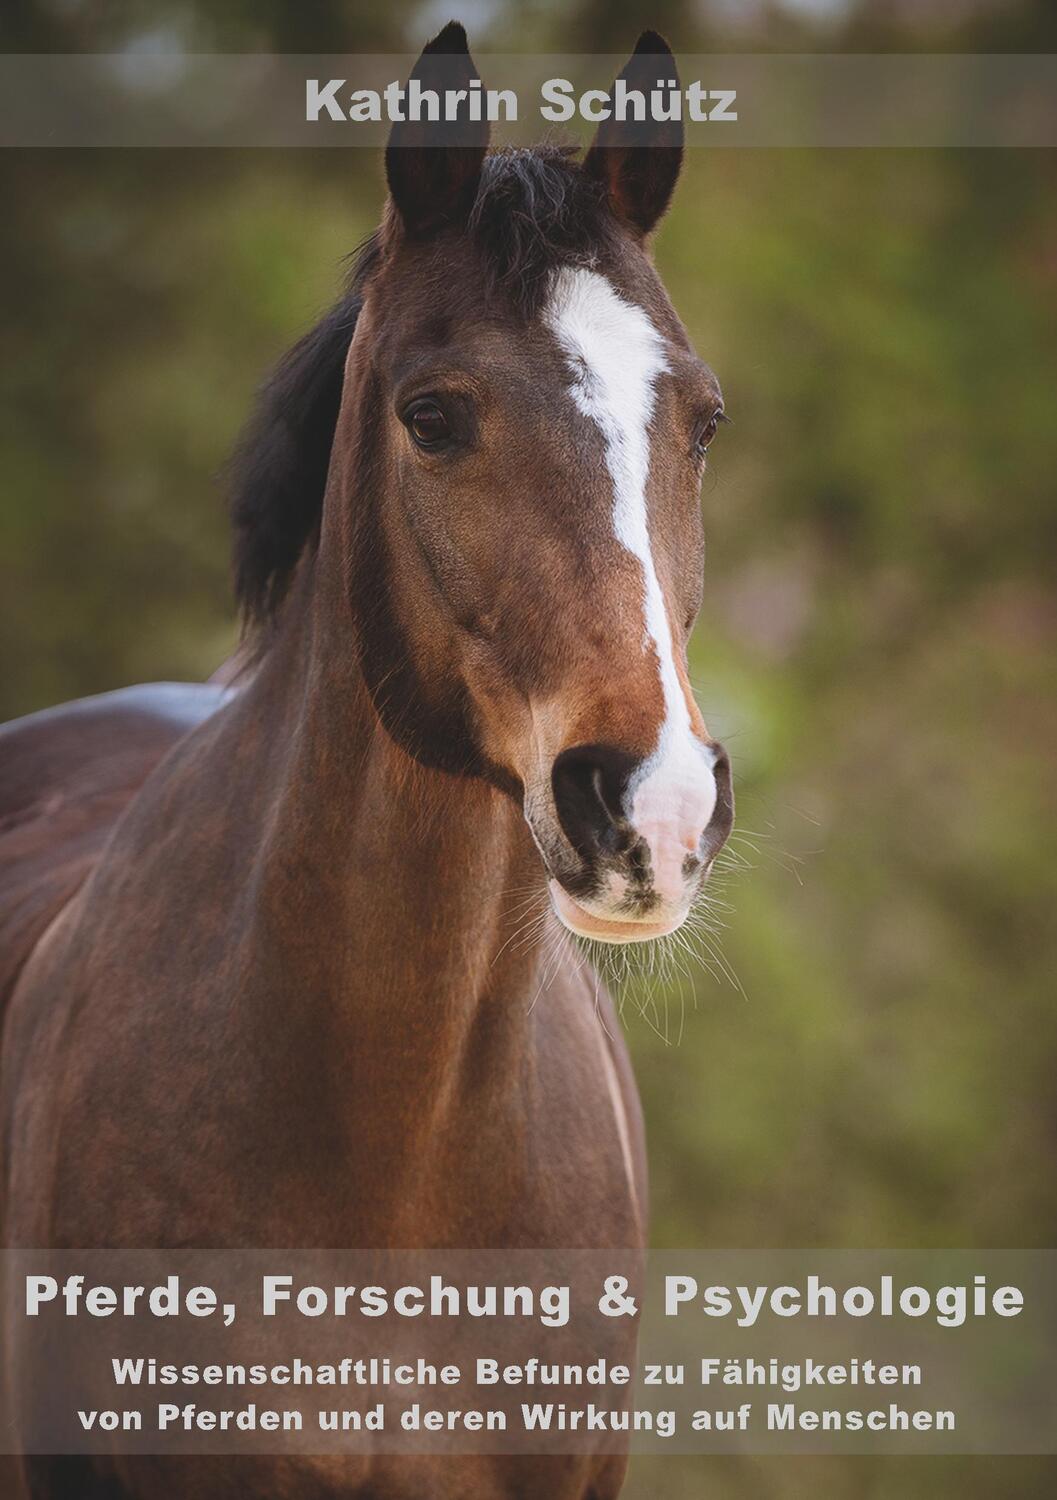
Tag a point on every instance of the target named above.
point(707, 431)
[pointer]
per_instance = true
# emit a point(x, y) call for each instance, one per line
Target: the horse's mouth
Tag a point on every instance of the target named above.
point(585, 924)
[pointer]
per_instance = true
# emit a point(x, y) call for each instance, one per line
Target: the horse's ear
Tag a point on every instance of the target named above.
point(433, 167)
point(638, 160)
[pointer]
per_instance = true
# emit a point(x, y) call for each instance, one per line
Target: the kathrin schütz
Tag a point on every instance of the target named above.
point(559, 102)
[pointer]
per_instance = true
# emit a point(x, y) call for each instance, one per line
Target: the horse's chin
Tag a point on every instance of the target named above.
point(586, 924)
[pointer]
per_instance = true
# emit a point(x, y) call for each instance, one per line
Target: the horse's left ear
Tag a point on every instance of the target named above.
point(639, 160)
point(433, 167)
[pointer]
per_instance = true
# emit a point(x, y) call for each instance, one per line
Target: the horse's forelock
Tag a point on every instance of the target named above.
point(536, 211)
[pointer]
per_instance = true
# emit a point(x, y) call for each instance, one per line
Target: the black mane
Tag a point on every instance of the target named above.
point(279, 469)
point(535, 210)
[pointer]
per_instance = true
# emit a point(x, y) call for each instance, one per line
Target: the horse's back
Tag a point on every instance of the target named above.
point(66, 776)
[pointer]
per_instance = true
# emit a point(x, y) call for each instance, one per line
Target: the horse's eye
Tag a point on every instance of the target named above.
point(707, 431)
point(428, 425)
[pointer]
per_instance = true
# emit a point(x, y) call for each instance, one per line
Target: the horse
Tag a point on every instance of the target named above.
point(258, 978)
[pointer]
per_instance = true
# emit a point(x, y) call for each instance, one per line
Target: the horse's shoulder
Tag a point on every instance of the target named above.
point(66, 775)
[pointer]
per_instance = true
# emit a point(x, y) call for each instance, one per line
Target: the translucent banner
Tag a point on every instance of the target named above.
point(177, 99)
point(532, 1352)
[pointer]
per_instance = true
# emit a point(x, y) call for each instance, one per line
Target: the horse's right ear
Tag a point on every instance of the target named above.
point(433, 167)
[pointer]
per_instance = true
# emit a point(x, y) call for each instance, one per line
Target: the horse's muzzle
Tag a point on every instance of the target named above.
point(642, 835)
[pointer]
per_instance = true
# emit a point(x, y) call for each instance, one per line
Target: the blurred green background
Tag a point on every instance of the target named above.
point(868, 1056)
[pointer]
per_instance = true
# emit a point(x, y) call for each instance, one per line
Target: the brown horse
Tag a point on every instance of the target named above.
point(260, 988)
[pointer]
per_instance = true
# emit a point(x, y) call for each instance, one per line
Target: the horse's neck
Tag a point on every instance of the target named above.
point(394, 891)
point(384, 981)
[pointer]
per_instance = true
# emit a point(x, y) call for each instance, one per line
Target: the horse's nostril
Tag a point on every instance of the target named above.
point(589, 782)
point(722, 820)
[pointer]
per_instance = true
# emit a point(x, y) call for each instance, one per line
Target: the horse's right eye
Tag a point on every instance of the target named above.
point(428, 425)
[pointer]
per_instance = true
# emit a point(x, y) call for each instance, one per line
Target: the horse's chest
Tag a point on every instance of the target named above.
point(519, 1137)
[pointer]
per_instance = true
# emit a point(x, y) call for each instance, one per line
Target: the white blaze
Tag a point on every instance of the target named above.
point(615, 355)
